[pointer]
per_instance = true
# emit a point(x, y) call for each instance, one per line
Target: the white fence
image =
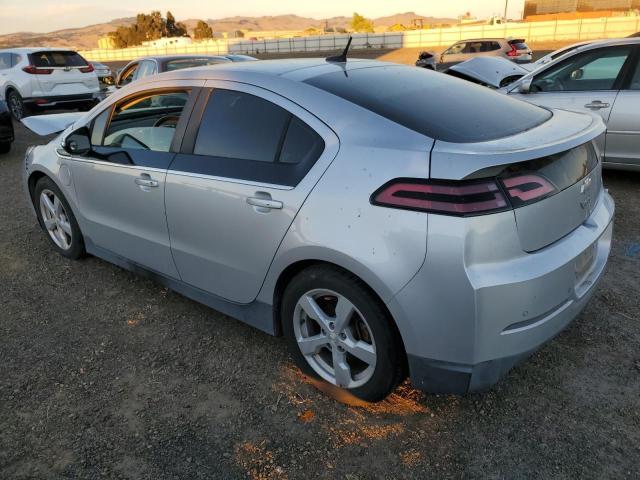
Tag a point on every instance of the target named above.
point(561, 30)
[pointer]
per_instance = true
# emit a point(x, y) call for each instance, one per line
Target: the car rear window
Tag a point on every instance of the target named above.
point(190, 63)
point(438, 106)
point(57, 59)
point(519, 44)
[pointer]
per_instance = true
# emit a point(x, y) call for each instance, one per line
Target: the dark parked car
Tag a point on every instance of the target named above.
point(143, 67)
point(426, 60)
point(6, 128)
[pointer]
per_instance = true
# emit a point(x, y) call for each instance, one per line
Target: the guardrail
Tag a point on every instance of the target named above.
point(560, 30)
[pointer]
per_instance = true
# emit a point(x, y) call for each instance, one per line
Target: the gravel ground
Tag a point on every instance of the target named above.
point(107, 375)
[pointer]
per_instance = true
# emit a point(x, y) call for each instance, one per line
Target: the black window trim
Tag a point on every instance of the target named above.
point(256, 172)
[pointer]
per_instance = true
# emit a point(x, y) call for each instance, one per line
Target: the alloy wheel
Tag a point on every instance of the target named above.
point(15, 105)
point(55, 218)
point(334, 338)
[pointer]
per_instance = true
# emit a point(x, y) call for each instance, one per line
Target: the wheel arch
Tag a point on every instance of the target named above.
point(295, 268)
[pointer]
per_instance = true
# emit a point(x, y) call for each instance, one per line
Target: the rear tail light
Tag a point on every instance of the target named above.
point(37, 71)
point(513, 52)
point(527, 188)
point(88, 69)
point(444, 197)
point(466, 197)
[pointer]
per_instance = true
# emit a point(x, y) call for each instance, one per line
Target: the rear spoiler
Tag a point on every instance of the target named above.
point(516, 40)
point(50, 124)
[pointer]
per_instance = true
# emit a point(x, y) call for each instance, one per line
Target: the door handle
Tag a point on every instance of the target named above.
point(267, 203)
point(145, 180)
point(596, 105)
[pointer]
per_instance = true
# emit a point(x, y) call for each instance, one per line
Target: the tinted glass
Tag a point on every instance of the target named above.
point(240, 125)
point(147, 122)
point(15, 59)
point(635, 80)
point(128, 74)
point(519, 45)
point(191, 62)
point(301, 144)
point(592, 70)
point(146, 68)
point(5, 61)
point(436, 105)
point(57, 59)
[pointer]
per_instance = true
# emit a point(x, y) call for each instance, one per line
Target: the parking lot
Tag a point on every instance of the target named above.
point(105, 374)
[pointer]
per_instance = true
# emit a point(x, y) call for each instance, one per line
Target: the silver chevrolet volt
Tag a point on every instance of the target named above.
point(387, 220)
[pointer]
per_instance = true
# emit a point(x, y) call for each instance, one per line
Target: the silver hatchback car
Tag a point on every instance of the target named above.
point(388, 220)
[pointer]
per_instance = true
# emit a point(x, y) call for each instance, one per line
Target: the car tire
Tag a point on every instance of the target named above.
point(5, 147)
point(57, 220)
point(16, 105)
point(365, 329)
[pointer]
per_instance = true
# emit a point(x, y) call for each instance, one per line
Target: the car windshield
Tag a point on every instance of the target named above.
point(181, 63)
point(57, 59)
point(438, 106)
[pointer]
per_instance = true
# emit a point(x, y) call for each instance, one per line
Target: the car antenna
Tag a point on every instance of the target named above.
point(342, 58)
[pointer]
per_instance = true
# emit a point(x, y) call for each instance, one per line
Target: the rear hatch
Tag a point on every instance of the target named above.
point(62, 73)
point(550, 175)
point(519, 49)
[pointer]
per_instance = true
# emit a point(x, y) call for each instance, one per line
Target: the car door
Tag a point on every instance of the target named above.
point(589, 80)
point(249, 160)
point(623, 132)
point(120, 183)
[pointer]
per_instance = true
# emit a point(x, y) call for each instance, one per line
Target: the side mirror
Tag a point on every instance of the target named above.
point(525, 86)
point(78, 142)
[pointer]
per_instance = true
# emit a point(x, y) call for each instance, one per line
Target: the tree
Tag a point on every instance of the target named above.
point(148, 27)
point(361, 24)
point(202, 30)
point(174, 29)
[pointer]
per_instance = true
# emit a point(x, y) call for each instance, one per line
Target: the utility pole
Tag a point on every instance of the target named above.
point(506, 5)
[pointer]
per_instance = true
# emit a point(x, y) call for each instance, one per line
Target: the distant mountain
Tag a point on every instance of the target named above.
point(87, 37)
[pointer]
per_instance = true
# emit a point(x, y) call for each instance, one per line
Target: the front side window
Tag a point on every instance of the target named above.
point(146, 122)
point(127, 75)
point(146, 68)
point(456, 49)
point(592, 70)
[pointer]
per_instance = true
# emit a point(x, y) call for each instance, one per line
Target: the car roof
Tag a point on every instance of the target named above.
point(609, 42)
point(293, 69)
point(168, 58)
point(36, 49)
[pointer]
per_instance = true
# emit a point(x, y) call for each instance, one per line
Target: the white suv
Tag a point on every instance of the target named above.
point(40, 78)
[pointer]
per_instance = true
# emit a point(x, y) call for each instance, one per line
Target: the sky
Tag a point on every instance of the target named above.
point(49, 15)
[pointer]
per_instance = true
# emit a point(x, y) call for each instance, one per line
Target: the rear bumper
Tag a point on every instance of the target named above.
point(465, 326)
point(60, 100)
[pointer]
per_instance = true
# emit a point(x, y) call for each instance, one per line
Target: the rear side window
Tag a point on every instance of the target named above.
point(57, 59)
point(301, 143)
point(438, 106)
point(243, 136)
point(5, 61)
point(242, 126)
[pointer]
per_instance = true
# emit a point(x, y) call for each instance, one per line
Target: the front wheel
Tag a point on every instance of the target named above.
point(57, 219)
point(337, 330)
